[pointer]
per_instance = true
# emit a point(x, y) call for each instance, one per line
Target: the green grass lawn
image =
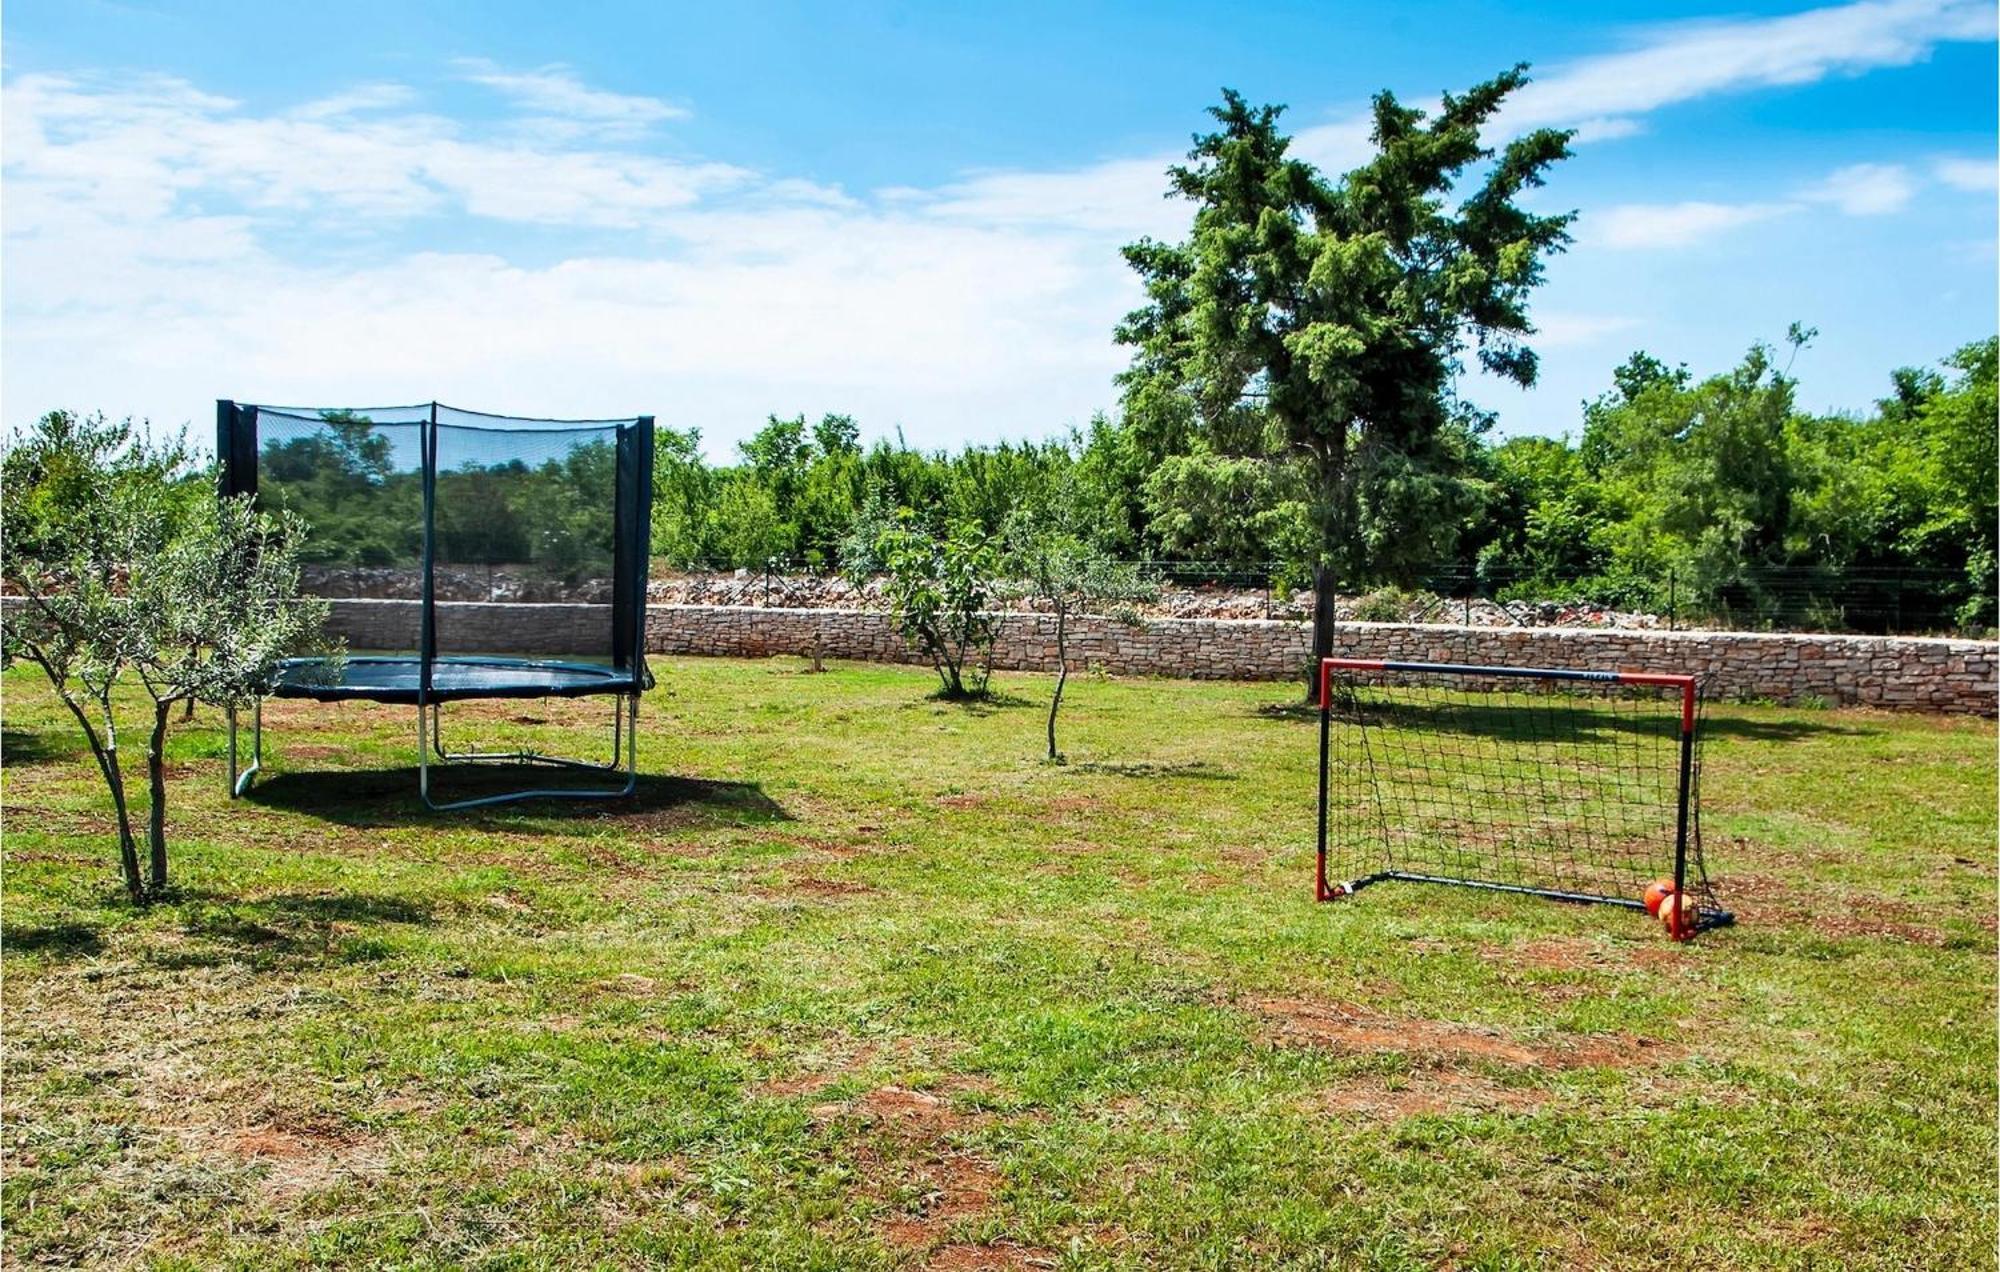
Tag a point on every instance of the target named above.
point(857, 981)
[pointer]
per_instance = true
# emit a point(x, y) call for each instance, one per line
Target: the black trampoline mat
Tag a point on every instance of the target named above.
point(377, 679)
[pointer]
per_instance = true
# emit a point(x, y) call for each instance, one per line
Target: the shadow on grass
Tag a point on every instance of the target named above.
point(1777, 730)
point(1297, 712)
point(286, 928)
point(315, 907)
point(374, 798)
point(984, 704)
point(1200, 770)
point(61, 940)
point(29, 746)
point(1530, 720)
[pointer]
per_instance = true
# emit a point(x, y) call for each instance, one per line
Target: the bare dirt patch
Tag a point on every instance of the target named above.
point(936, 1188)
point(1357, 1029)
point(301, 1157)
point(1348, 1028)
point(1520, 966)
point(819, 886)
point(843, 1059)
point(1553, 954)
point(975, 1258)
point(55, 821)
point(915, 1114)
point(1062, 807)
point(632, 984)
point(958, 1188)
point(813, 1081)
point(314, 751)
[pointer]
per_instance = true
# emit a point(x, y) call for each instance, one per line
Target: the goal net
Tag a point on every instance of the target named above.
point(1577, 785)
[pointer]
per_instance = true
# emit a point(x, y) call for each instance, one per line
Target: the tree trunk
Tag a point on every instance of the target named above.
point(1324, 581)
point(156, 791)
point(106, 752)
point(104, 749)
point(1062, 675)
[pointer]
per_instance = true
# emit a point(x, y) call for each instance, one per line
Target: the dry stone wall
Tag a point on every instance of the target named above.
point(1883, 671)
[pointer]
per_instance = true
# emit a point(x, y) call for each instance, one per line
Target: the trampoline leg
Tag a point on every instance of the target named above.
point(440, 752)
point(624, 754)
point(240, 782)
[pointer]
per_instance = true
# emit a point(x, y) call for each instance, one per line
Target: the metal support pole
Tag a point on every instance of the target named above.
point(240, 782)
point(1686, 793)
point(624, 753)
point(1320, 888)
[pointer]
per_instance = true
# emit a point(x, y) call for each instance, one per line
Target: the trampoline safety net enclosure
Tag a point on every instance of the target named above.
point(460, 512)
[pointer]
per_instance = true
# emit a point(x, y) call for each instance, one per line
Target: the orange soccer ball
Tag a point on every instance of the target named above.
point(1656, 892)
point(1679, 916)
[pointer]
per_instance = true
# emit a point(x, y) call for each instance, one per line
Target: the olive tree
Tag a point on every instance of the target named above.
point(940, 588)
point(123, 567)
point(1065, 573)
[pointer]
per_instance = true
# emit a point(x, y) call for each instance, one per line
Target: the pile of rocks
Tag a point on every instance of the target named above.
point(765, 591)
point(760, 590)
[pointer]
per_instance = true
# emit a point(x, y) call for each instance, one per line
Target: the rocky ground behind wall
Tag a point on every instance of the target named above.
point(756, 589)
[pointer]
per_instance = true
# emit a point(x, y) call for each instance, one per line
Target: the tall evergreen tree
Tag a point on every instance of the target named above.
point(1341, 311)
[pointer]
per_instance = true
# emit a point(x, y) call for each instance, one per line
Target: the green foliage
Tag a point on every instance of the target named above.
point(941, 588)
point(552, 514)
point(1323, 322)
point(1390, 605)
point(1338, 311)
point(344, 483)
point(1756, 510)
point(1716, 494)
point(813, 496)
point(1237, 511)
point(1053, 562)
point(684, 492)
point(861, 549)
point(127, 566)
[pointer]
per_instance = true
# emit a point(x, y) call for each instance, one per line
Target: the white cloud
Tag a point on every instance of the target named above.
point(1605, 128)
point(1126, 196)
point(562, 104)
point(1864, 189)
point(1680, 62)
point(1334, 147)
point(160, 143)
point(353, 101)
point(1978, 175)
point(152, 265)
point(165, 245)
point(1561, 329)
point(1657, 225)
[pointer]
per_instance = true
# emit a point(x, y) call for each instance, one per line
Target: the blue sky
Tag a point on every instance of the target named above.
point(912, 214)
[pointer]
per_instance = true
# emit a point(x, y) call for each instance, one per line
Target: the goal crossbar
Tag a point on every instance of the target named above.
point(1612, 807)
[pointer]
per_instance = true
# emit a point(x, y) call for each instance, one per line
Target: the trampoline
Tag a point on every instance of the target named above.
point(517, 537)
point(399, 680)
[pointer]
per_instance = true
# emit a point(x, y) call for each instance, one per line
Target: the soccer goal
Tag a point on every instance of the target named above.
point(1576, 785)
